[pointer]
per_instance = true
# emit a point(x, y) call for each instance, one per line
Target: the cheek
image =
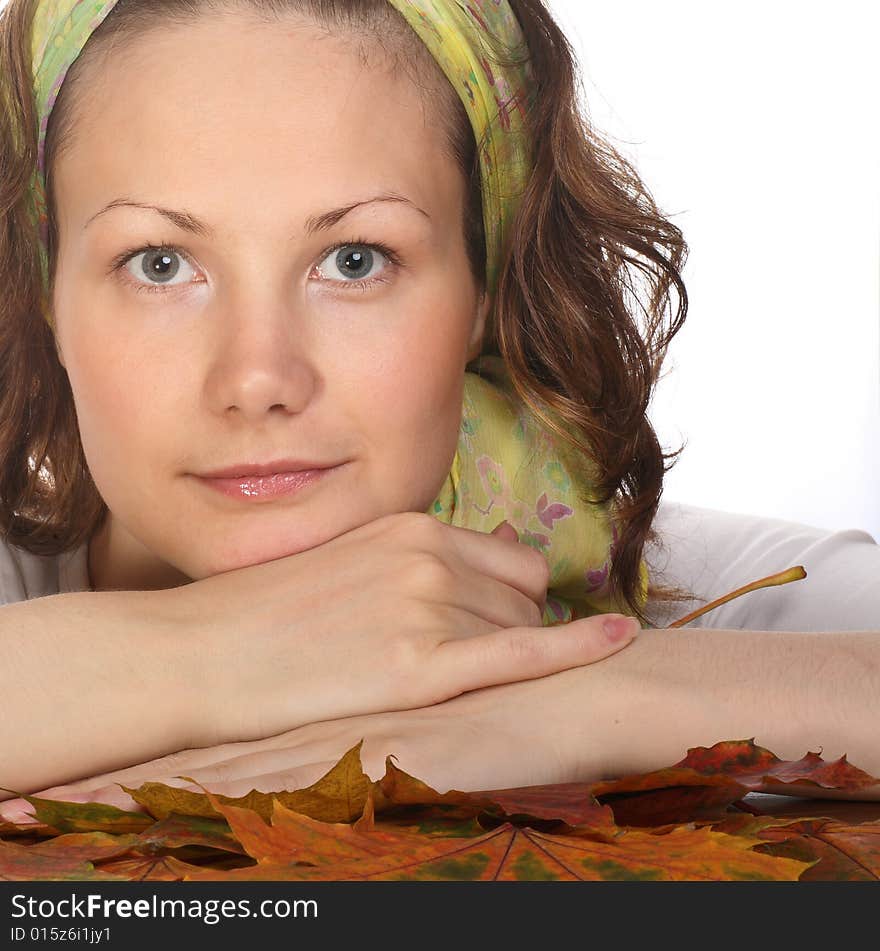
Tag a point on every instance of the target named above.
point(412, 417)
point(118, 406)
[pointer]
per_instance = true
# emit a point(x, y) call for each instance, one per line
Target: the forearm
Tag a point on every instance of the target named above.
point(90, 681)
point(636, 711)
point(674, 689)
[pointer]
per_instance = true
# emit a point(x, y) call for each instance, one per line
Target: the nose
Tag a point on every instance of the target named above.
point(262, 359)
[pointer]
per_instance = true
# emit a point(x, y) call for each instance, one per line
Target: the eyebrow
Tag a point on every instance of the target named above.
point(189, 222)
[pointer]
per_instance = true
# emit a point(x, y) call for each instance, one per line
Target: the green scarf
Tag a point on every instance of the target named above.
point(509, 467)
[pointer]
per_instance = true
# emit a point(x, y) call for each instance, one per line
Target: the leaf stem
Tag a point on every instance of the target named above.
point(781, 577)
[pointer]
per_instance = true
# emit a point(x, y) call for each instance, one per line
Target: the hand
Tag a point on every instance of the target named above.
point(402, 612)
point(476, 741)
point(283, 762)
point(289, 761)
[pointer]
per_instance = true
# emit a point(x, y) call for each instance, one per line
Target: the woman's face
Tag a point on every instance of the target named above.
point(275, 328)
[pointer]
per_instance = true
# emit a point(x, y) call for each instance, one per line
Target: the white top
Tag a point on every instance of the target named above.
point(709, 551)
point(24, 576)
point(713, 552)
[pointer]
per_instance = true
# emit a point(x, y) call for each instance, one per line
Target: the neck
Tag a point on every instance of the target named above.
point(119, 562)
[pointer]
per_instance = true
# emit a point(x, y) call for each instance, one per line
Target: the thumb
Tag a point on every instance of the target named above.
point(505, 530)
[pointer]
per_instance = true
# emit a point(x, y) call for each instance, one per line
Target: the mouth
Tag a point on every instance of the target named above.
point(279, 466)
point(269, 486)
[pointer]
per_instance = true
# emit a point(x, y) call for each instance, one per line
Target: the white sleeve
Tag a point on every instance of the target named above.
point(711, 553)
point(25, 576)
point(12, 582)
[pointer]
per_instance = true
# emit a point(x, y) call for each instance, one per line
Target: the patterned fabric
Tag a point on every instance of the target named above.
point(60, 30)
point(460, 36)
point(509, 467)
point(506, 465)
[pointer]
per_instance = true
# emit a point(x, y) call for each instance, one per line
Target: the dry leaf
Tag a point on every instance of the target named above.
point(708, 779)
point(346, 827)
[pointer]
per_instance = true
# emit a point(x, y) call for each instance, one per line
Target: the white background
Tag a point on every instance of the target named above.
point(755, 127)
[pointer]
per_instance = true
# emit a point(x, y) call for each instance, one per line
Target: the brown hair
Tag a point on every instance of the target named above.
point(560, 320)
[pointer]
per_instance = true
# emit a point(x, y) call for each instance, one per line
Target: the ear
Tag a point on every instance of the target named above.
point(475, 344)
point(59, 351)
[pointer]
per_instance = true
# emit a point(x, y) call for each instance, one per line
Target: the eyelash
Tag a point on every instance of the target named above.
point(392, 258)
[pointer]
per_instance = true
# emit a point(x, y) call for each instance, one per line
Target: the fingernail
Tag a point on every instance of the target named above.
point(497, 529)
point(620, 627)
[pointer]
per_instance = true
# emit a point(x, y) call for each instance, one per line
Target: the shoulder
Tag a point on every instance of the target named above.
point(24, 576)
point(712, 552)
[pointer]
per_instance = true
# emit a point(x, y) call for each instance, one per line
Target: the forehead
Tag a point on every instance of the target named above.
point(281, 104)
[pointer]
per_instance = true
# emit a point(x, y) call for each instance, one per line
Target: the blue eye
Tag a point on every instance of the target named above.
point(158, 266)
point(352, 263)
point(154, 268)
point(357, 265)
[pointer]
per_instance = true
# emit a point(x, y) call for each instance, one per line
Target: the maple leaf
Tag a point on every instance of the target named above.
point(754, 767)
point(297, 848)
point(338, 796)
point(566, 802)
point(840, 852)
point(56, 816)
point(189, 837)
point(66, 857)
point(399, 828)
point(708, 779)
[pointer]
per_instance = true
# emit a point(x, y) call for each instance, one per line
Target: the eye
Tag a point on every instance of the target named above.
point(358, 264)
point(159, 268)
point(156, 267)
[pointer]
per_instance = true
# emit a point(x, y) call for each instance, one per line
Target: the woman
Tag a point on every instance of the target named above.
point(200, 317)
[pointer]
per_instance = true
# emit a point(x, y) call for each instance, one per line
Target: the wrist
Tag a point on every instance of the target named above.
point(672, 690)
point(198, 681)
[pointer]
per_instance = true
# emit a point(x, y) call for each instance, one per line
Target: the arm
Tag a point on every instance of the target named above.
point(90, 681)
point(372, 620)
point(636, 711)
point(641, 710)
point(673, 689)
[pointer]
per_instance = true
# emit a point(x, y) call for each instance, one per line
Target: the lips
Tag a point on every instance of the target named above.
point(255, 470)
point(267, 487)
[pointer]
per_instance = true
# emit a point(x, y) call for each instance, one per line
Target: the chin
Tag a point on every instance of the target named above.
point(257, 553)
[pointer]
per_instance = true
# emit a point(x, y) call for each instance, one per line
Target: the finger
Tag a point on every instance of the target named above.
point(172, 763)
point(493, 604)
point(20, 811)
point(17, 810)
point(505, 530)
point(69, 791)
point(262, 763)
point(525, 653)
point(501, 557)
point(110, 795)
point(288, 780)
point(229, 761)
point(73, 792)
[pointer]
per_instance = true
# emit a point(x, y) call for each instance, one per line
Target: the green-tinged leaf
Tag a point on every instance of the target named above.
point(338, 796)
point(399, 828)
point(86, 816)
point(509, 853)
point(60, 859)
point(842, 852)
point(178, 831)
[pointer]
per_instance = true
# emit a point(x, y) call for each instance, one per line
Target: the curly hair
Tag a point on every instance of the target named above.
point(589, 252)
